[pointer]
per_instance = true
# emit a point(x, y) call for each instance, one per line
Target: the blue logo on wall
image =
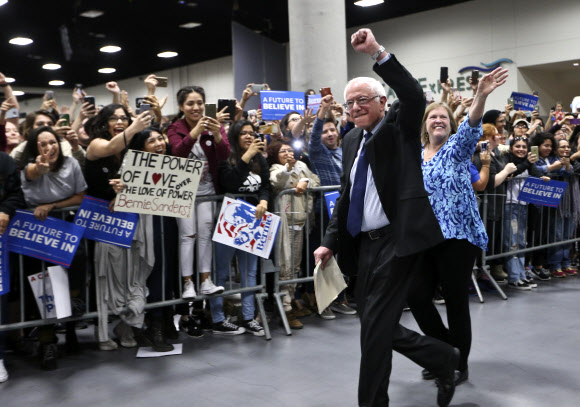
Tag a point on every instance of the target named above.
point(486, 67)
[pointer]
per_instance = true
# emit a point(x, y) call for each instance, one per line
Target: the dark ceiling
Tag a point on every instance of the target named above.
point(143, 28)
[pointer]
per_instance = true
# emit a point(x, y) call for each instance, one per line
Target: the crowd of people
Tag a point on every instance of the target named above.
point(59, 153)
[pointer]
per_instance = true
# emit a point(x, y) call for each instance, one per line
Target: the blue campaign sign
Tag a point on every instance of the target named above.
point(105, 226)
point(53, 240)
point(4, 269)
point(314, 102)
point(545, 193)
point(331, 198)
point(523, 101)
point(275, 104)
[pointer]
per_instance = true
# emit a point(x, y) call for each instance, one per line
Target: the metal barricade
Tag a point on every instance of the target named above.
point(231, 289)
point(517, 229)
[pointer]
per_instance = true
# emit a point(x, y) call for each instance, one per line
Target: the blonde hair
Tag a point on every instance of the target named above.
point(431, 107)
point(489, 131)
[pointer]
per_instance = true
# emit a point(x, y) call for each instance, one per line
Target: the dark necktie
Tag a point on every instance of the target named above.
point(357, 201)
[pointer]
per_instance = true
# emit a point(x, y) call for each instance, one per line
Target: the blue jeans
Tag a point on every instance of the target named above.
point(561, 229)
point(248, 264)
point(514, 238)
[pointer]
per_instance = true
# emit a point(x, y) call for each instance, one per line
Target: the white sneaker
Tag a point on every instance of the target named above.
point(3, 372)
point(209, 288)
point(188, 289)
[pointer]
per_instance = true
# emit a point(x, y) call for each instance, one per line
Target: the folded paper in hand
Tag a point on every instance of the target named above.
point(328, 283)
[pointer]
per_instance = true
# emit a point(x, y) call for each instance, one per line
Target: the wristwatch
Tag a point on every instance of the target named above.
point(376, 54)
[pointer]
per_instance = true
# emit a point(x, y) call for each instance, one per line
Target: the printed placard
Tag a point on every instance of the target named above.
point(275, 104)
point(314, 102)
point(53, 240)
point(545, 193)
point(102, 225)
point(331, 198)
point(51, 291)
point(4, 268)
point(523, 101)
point(238, 227)
point(159, 184)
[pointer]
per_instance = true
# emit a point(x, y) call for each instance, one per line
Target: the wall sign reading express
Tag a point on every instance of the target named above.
point(159, 184)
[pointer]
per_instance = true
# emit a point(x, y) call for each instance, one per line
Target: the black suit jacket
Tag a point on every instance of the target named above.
point(394, 154)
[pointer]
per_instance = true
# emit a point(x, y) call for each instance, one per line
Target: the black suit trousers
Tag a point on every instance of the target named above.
point(381, 291)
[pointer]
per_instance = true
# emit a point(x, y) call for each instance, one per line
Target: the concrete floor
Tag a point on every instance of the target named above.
point(525, 353)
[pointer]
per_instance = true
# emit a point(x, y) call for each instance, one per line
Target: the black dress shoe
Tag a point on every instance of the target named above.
point(461, 376)
point(446, 383)
point(427, 375)
point(48, 356)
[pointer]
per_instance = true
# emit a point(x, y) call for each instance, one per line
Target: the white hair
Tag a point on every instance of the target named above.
point(375, 85)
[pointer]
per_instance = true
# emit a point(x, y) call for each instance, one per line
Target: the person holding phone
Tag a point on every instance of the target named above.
point(516, 212)
point(244, 172)
point(287, 172)
point(118, 270)
point(446, 157)
point(197, 136)
point(9, 135)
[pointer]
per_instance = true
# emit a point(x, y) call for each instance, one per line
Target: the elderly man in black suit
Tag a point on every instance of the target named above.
point(383, 221)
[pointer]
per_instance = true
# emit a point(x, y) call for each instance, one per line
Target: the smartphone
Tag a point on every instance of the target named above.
point(49, 94)
point(483, 145)
point(475, 76)
point(534, 150)
point(537, 108)
point(138, 102)
point(429, 96)
point(260, 136)
point(456, 93)
point(511, 102)
point(257, 87)
point(443, 75)
point(12, 113)
point(66, 117)
point(161, 81)
point(143, 108)
point(90, 100)
point(210, 110)
point(230, 104)
point(325, 91)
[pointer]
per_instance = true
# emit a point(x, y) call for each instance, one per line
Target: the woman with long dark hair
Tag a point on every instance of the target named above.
point(244, 172)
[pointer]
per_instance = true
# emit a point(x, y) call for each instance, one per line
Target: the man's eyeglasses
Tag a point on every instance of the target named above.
point(362, 101)
point(115, 119)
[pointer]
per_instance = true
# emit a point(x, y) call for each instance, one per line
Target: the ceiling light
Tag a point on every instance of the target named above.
point(167, 54)
point(92, 13)
point(107, 70)
point(575, 64)
point(56, 83)
point(51, 67)
point(9, 80)
point(2, 2)
point(18, 93)
point(20, 41)
point(190, 25)
point(368, 3)
point(110, 49)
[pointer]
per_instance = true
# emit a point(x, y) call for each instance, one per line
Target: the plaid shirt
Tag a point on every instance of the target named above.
point(326, 163)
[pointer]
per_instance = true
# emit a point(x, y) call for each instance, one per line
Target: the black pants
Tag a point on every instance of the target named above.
point(382, 288)
point(448, 264)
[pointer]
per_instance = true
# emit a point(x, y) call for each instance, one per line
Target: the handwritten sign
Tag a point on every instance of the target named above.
point(331, 198)
point(159, 184)
point(314, 102)
point(523, 101)
point(53, 240)
point(4, 269)
point(105, 226)
point(543, 193)
point(275, 104)
point(238, 227)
